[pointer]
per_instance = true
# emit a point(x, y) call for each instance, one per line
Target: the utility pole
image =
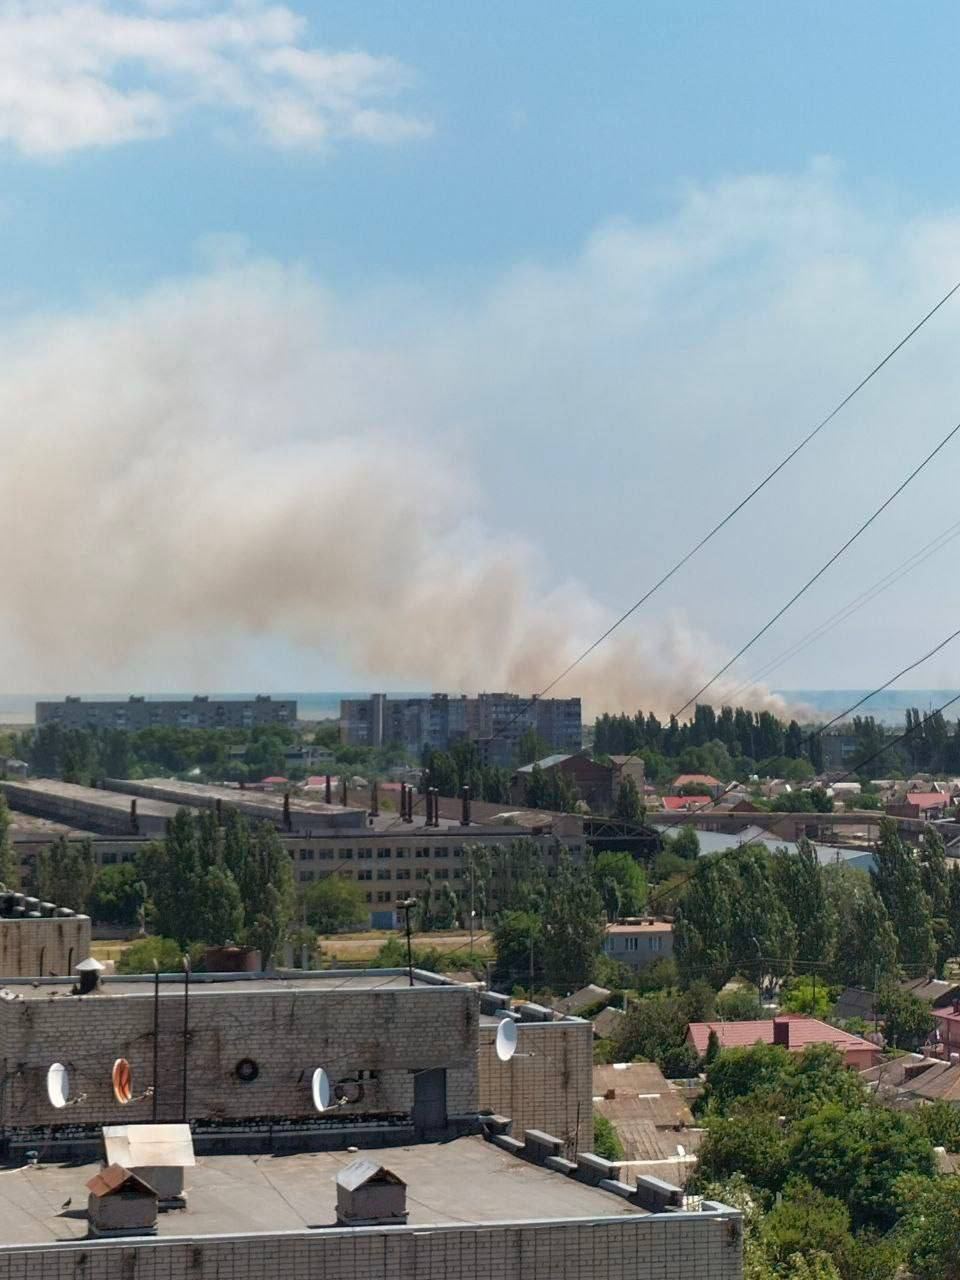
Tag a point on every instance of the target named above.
point(407, 906)
point(531, 964)
point(759, 969)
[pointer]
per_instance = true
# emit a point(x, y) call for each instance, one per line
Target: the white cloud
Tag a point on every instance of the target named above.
point(94, 73)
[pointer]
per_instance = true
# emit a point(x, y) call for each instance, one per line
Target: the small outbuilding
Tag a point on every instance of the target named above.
point(369, 1195)
point(121, 1204)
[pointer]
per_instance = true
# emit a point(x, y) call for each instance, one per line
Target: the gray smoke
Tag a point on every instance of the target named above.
point(210, 465)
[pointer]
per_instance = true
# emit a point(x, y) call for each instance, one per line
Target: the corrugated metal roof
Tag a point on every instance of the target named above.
point(546, 763)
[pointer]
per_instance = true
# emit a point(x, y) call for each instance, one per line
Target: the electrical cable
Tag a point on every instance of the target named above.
point(823, 568)
point(882, 584)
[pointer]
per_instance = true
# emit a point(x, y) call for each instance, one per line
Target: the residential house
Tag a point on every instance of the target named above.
point(627, 767)
point(585, 998)
point(650, 1116)
point(686, 804)
point(638, 943)
point(793, 1031)
point(702, 781)
point(948, 1028)
point(928, 806)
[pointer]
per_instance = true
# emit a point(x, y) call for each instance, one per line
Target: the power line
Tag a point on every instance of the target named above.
point(751, 495)
point(882, 584)
point(823, 568)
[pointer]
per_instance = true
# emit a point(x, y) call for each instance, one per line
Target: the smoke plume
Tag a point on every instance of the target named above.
point(209, 465)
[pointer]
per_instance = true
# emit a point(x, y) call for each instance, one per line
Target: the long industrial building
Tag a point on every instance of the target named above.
point(494, 721)
point(389, 859)
point(198, 712)
point(348, 1127)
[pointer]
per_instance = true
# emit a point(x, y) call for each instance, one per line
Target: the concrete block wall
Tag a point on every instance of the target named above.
point(551, 1090)
point(287, 1033)
point(657, 1247)
point(38, 948)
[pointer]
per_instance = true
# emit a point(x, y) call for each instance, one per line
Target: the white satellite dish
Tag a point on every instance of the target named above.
point(58, 1085)
point(506, 1041)
point(320, 1088)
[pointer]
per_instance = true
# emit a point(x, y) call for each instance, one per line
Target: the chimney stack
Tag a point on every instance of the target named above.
point(287, 820)
point(781, 1032)
point(374, 799)
point(465, 806)
point(219, 807)
point(134, 822)
point(436, 806)
point(343, 791)
point(88, 976)
point(327, 793)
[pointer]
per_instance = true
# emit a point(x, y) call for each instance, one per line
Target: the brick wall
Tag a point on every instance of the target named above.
point(287, 1033)
point(658, 1247)
point(551, 1090)
point(38, 948)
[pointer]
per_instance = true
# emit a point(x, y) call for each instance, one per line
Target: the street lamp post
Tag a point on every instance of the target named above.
point(407, 906)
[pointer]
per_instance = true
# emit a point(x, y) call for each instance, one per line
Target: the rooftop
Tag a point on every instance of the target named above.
point(803, 1031)
point(641, 926)
point(205, 984)
point(467, 1180)
point(71, 792)
point(681, 803)
point(547, 762)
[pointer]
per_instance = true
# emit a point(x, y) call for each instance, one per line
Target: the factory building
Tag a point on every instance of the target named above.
point(198, 712)
point(390, 859)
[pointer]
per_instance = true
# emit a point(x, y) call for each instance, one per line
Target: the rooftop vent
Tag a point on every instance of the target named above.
point(368, 1195)
point(121, 1204)
point(88, 975)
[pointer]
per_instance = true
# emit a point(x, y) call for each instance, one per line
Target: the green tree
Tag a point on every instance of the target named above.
point(219, 906)
point(65, 873)
point(621, 884)
point(799, 880)
point(897, 880)
point(805, 1217)
point(930, 1226)
point(749, 1141)
point(740, 1005)
point(932, 857)
point(606, 1143)
point(940, 1121)
point(531, 747)
point(333, 903)
point(629, 806)
point(686, 843)
point(518, 942)
point(654, 1029)
point(865, 944)
point(117, 894)
point(907, 1020)
point(807, 995)
point(140, 956)
point(9, 868)
point(572, 927)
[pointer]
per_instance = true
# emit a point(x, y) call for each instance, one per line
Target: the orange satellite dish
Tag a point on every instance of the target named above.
point(122, 1082)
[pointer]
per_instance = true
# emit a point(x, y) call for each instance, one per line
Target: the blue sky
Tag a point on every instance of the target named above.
point(580, 271)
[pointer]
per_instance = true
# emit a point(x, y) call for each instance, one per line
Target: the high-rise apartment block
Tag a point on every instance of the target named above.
point(494, 721)
point(198, 712)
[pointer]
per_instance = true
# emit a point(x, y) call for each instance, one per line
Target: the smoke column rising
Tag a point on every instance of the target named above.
point(202, 466)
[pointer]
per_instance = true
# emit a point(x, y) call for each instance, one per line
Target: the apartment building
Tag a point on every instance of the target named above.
point(198, 712)
point(494, 721)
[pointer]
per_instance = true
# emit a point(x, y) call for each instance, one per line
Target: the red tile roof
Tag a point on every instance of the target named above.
point(706, 779)
point(927, 799)
point(682, 803)
point(803, 1031)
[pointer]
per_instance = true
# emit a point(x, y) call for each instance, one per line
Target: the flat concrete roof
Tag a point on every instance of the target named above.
point(465, 1181)
point(71, 792)
point(202, 984)
point(25, 827)
point(272, 800)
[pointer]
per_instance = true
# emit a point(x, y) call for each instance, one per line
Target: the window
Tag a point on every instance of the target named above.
point(401, 853)
point(384, 853)
point(306, 855)
point(384, 896)
point(442, 852)
point(325, 853)
point(368, 897)
point(364, 853)
point(421, 875)
point(384, 873)
point(347, 855)
point(403, 873)
point(655, 943)
point(365, 873)
point(442, 873)
point(422, 853)
point(457, 873)
point(633, 944)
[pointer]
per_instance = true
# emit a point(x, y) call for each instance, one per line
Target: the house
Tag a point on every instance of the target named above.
point(791, 1031)
point(585, 998)
point(593, 782)
point(702, 781)
point(607, 1023)
point(854, 1002)
point(928, 806)
point(638, 943)
point(686, 804)
point(650, 1116)
point(937, 992)
point(948, 1029)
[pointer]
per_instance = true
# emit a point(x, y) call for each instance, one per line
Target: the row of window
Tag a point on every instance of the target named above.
point(402, 873)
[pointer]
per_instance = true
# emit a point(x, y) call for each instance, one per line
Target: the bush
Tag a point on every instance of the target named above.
point(140, 956)
point(741, 1005)
point(606, 1143)
point(117, 895)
